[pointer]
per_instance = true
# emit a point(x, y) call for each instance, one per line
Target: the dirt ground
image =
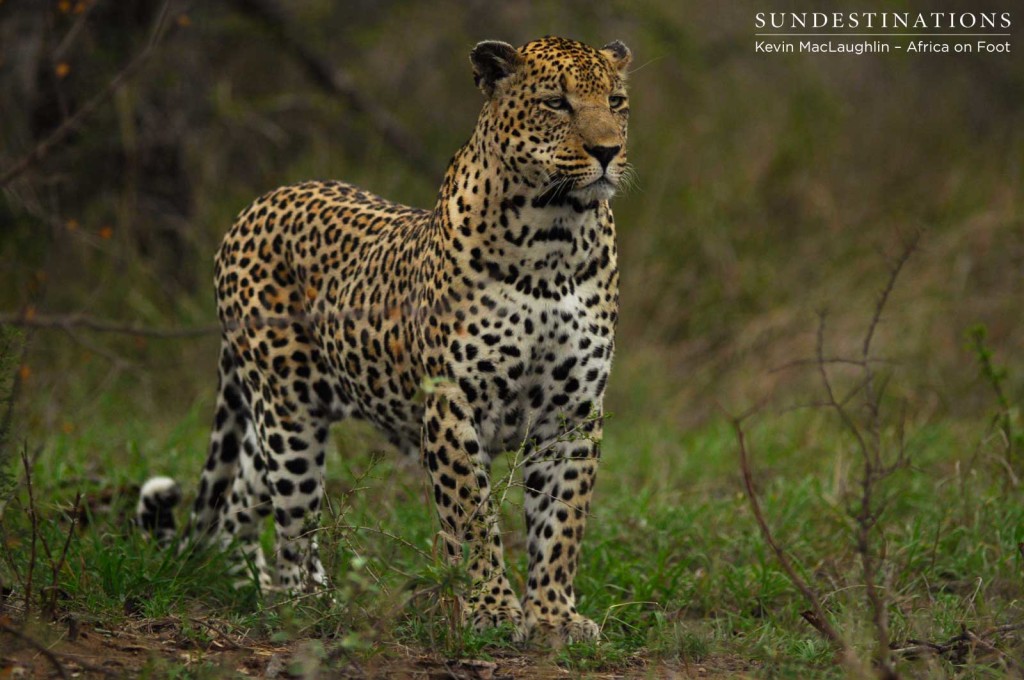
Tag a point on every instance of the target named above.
point(154, 648)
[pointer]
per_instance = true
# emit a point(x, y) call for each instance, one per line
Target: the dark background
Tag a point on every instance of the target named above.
point(771, 187)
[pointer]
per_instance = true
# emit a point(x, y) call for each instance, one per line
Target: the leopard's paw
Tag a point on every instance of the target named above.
point(564, 628)
point(497, 611)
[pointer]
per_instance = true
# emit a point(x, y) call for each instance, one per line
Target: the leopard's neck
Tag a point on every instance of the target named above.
point(500, 226)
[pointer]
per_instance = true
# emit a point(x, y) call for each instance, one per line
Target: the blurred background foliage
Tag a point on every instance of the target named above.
point(771, 186)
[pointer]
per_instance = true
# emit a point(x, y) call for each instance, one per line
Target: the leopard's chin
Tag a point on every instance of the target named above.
point(601, 189)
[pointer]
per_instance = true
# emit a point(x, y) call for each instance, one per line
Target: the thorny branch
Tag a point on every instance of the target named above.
point(875, 465)
point(816, 616)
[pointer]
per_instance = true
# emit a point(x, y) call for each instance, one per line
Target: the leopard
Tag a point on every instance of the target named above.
point(482, 326)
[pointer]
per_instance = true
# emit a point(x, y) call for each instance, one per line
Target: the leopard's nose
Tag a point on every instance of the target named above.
point(603, 154)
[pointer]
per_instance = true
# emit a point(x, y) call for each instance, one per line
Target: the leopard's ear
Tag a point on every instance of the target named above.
point(493, 61)
point(618, 55)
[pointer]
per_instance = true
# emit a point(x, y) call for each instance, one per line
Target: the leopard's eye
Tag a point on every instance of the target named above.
point(557, 103)
point(616, 101)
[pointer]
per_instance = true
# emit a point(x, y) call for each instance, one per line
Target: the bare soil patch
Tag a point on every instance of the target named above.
point(206, 648)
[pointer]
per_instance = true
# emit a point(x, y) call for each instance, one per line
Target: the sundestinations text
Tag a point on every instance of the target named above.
point(883, 20)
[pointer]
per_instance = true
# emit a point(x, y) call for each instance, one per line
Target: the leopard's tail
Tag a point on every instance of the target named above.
point(232, 432)
point(155, 511)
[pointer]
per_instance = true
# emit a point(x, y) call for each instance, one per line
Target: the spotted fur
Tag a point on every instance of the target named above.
point(461, 332)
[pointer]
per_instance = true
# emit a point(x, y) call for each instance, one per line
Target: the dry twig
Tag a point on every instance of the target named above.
point(55, 657)
point(34, 523)
point(59, 564)
point(39, 647)
point(816, 616)
point(960, 647)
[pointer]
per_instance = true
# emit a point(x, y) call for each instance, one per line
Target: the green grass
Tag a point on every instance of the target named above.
point(764, 196)
point(674, 568)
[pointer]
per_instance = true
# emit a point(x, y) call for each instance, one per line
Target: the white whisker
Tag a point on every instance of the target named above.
point(629, 179)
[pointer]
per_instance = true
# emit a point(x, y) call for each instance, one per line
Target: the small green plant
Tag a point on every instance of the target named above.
point(435, 598)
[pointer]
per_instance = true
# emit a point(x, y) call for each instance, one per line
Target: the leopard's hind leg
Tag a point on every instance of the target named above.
point(233, 497)
point(293, 403)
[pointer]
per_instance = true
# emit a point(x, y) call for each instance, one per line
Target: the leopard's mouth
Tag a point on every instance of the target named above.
point(602, 181)
point(602, 188)
point(561, 187)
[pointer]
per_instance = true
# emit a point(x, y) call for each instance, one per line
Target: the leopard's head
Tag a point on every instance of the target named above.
point(556, 114)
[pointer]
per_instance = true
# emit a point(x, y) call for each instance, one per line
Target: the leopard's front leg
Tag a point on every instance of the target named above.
point(459, 471)
point(559, 483)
